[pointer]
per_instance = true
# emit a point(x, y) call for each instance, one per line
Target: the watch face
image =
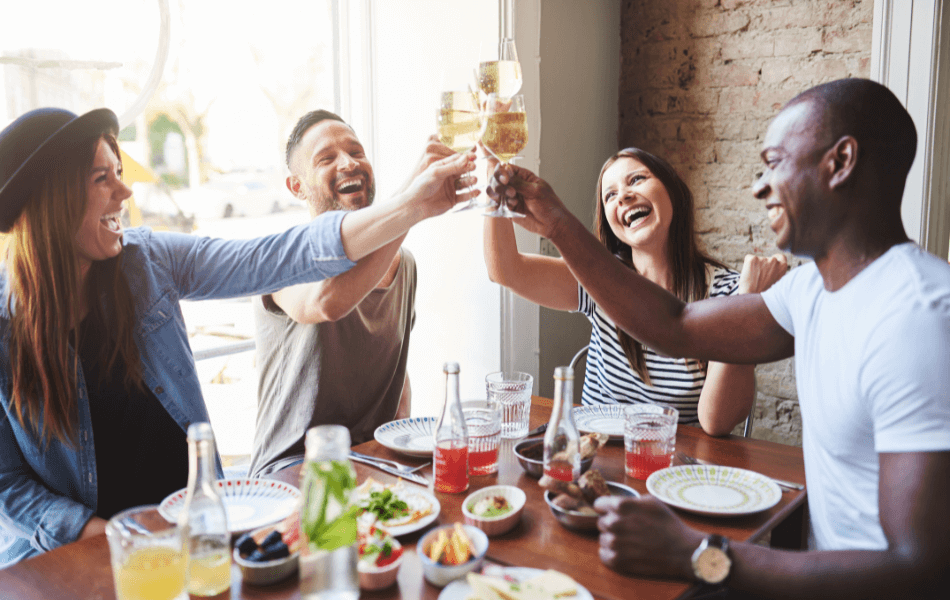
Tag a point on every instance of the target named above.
point(712, 565)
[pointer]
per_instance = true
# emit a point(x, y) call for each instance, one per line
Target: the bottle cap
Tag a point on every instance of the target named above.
point(200, 431)
point(451, 367)
point(563, 373)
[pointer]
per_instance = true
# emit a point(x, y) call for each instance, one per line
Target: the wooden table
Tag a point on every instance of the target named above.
point(82, 570)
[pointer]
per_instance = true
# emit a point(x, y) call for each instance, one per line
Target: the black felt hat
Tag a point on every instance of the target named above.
point(31, 144)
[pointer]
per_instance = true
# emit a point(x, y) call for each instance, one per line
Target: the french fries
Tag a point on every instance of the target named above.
point(452, 550)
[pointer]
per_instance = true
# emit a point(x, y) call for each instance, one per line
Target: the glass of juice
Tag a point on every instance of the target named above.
point(149, 561)
point(484, 436)
point(649, 438)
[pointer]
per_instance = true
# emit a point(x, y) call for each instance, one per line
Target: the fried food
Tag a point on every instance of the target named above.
point(593, 485)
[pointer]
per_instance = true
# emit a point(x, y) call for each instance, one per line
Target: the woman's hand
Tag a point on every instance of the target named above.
point(529, 194)
point(760, 273)
point(435, 189)
point(95, 526)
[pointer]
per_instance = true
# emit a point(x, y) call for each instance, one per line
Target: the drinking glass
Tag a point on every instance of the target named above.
point(511, 392)
point(504, 135)
point(149, 561)
point(460, 128)
point(483, 421)
point(649, 438)
point(503, 76)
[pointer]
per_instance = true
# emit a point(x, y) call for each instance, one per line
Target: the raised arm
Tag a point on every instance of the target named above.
point(544, 280)
point(735, 330)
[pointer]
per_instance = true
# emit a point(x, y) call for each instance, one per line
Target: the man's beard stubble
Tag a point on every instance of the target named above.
point(322, 203)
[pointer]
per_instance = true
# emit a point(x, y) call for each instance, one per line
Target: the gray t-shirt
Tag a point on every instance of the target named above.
point(347, 372)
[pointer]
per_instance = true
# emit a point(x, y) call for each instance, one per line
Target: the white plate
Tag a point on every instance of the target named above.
point(412, 437)
point(714, 490)
point(461, 590)
point(405, 493)
point(600, 418)
point(248, 503)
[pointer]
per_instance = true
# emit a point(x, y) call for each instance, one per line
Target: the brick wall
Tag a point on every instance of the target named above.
point(699, 82)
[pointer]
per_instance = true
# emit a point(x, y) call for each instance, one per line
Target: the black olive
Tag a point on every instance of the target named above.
point(275, 551)
point(246, 544)
point(273, 536)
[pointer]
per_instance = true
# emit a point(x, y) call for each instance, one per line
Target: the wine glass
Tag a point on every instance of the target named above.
point(504, 135)
point(502, 76)
point(459, 122)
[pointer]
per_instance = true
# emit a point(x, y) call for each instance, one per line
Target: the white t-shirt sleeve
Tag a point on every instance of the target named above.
point(907, 381)
point(779, 297)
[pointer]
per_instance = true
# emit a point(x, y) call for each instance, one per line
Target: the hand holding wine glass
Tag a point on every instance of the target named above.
point(504, 135)
point(543, 209)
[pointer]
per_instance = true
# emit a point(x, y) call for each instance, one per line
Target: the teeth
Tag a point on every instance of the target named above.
point(635, 214)
point(111, 221)
point(348, 187)
point(775, 213)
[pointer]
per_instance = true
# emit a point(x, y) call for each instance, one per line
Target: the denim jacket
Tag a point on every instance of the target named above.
point(48, 494)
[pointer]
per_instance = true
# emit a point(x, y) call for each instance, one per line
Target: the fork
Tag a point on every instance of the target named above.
point(786, 485)
point(395, 465)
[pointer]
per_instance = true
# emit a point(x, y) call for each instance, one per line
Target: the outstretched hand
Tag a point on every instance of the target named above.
point(438, 187)
point(642, 536)
point(760, 273)
point(529, 194)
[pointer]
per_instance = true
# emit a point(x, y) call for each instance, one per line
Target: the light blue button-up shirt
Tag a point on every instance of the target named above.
point(48, 494)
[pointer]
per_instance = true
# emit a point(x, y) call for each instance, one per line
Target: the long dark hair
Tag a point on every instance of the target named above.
point(686, 260)
point(43, 267)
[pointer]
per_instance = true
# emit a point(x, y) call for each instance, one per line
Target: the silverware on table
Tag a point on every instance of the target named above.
point(401, 467)
point(689, 460)
point(408, 474)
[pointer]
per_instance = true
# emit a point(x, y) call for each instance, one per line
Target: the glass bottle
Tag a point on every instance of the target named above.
point(451, 438)
point(203, 520)
point(328, 517)
point(562, 458)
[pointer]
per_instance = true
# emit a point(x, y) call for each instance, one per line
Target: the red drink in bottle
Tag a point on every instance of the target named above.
point(451, 466)
point(560, 469)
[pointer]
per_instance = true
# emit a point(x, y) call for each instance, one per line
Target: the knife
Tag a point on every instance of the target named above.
point(413, 477)
point(780, 482)
point(538, 430)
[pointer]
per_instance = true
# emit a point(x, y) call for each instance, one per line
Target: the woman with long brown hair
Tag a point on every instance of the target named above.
point(97, 381)
point(644, 216)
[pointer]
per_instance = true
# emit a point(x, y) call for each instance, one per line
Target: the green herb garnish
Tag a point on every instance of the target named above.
point(385, 505)
point(329, 532)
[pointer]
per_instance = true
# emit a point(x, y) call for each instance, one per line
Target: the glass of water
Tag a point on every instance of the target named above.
point(511, 392)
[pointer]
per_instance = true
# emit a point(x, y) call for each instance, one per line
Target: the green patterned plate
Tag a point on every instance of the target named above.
point(714, 490)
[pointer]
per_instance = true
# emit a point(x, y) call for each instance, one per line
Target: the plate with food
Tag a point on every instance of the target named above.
point(412, 437)
point(498, 583)
point(601, 418)
point(714, 490)
point(249, 503)
point(397, 507)
point(380, 557)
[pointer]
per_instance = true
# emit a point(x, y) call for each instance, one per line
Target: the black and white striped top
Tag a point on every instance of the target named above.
point(609, 379)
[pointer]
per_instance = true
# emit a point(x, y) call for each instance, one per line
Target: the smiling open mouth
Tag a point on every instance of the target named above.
point(350, 186)
point(635, 215)
point(111, 221)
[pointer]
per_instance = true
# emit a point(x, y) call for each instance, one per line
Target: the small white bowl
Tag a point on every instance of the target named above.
point(502, 523)
point(266, 573)
point(377, 578)
point(441, 575)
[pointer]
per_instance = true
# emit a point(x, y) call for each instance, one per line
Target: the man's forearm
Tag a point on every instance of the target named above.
point(365, 230)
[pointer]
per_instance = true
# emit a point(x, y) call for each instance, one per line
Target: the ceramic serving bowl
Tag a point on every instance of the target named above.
point(377, 578)
point(581, 521)
point(271, 571)
point(441, 575)
point(502, 523)
point(534, 467)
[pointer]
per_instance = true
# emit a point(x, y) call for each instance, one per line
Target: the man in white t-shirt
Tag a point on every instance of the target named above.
point(869, 325)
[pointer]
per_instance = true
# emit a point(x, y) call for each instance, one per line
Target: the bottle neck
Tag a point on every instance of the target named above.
point(452, 420)
point(201, 472)
point(563, 401)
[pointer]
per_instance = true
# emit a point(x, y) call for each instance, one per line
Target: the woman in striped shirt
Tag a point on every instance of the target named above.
point(644, 216)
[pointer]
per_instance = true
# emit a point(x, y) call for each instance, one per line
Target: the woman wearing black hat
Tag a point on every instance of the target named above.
point(97, 381)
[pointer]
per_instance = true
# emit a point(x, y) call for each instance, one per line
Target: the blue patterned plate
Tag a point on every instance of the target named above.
point(714, 490)
point(412, 437)
point(248, 503)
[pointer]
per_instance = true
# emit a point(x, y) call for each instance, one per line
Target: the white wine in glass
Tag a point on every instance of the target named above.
point(459, 120)
point(502, 76)
point(504, 135)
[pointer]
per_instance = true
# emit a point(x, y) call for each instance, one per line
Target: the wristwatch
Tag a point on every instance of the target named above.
point(711, 562)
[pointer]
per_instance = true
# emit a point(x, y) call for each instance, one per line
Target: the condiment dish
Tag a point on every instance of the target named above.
point(533, 462)
point(441, 575)
point(579, 521)
point(514, 498)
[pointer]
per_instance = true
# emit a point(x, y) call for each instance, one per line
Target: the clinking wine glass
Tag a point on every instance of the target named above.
point(459, 122)
point(504, 135)
point(502, 76)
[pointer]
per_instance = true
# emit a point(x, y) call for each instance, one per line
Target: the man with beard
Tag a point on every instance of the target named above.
point(334, 352)
point(869, 325)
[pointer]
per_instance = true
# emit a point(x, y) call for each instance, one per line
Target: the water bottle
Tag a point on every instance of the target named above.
point(203, 520)
point(328, 517)
point(562, 457)
point(451, 438)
